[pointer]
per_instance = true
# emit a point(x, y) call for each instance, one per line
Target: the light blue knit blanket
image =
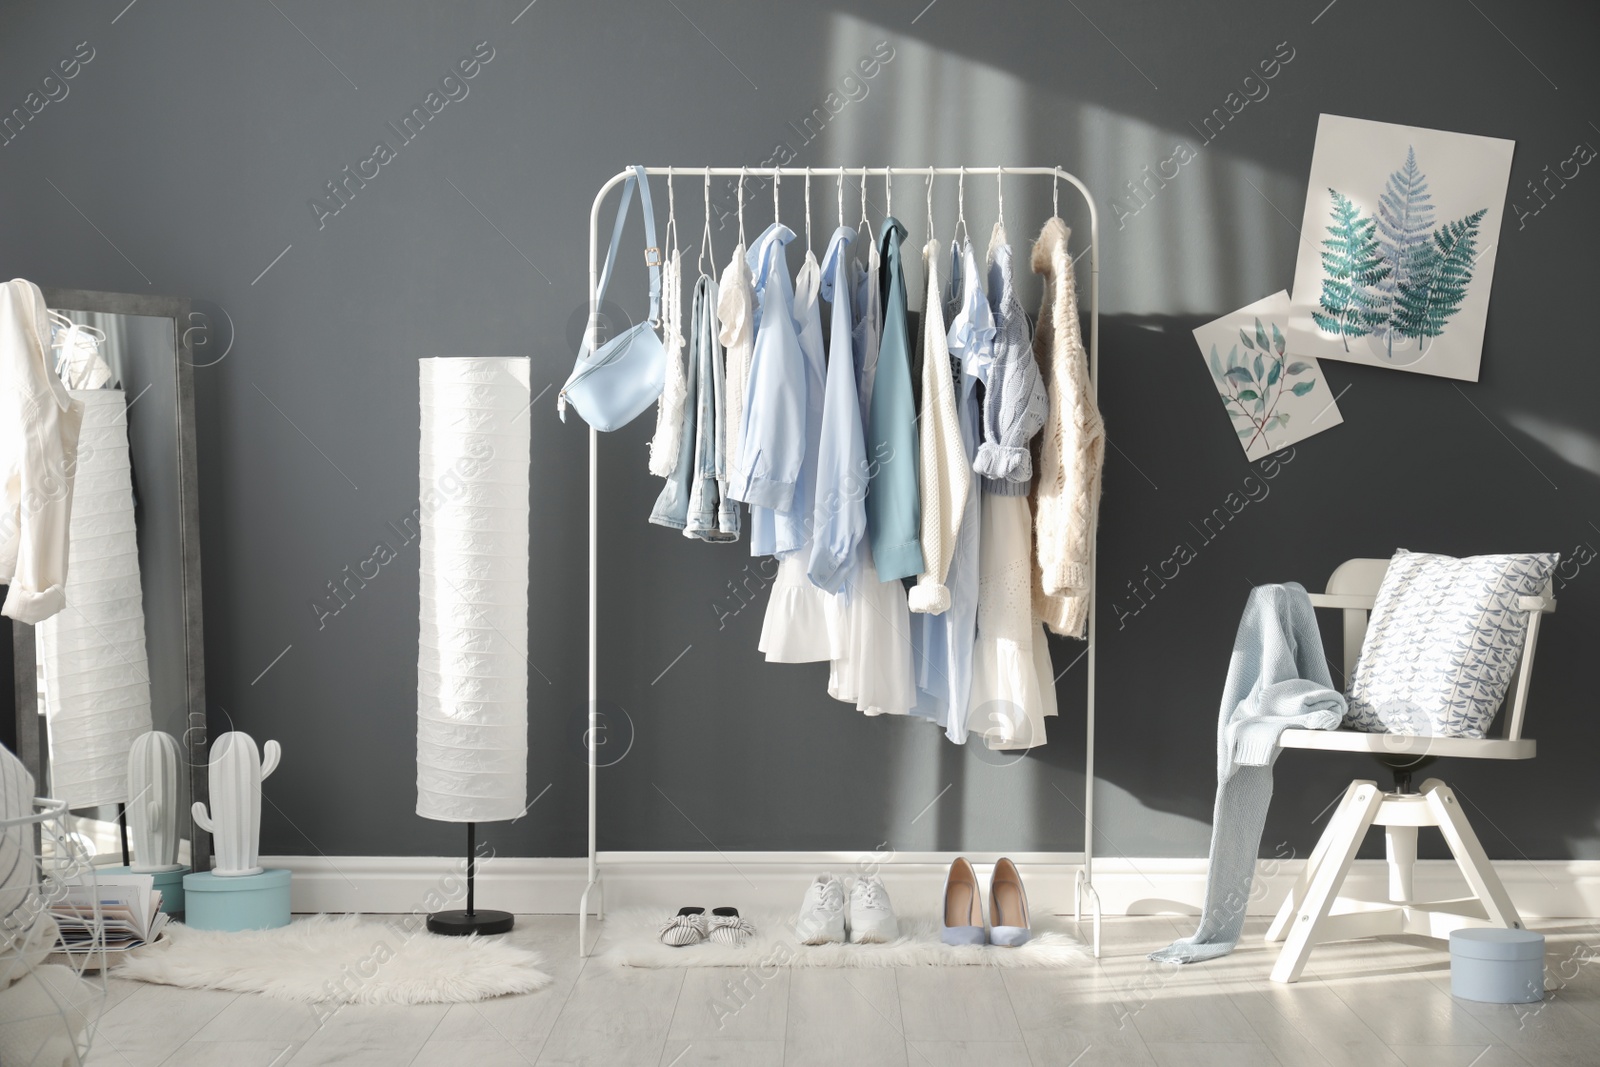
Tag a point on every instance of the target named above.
point(1277, 680)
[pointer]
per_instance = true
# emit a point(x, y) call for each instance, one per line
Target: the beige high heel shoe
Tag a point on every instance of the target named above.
point(963, 907)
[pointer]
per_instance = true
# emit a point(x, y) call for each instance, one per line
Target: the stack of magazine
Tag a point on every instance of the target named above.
point(130, 913)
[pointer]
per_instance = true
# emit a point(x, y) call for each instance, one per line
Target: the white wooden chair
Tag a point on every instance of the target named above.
point(1315, 911)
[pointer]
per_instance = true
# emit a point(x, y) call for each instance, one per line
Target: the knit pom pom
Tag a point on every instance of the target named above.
point(929, 599)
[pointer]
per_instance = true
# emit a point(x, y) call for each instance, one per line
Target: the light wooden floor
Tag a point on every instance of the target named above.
point(1363, 1004)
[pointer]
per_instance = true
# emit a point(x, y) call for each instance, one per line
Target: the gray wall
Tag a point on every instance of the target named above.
point(184, 158)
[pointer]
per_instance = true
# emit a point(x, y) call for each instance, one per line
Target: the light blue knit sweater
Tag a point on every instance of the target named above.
point(1277, 680)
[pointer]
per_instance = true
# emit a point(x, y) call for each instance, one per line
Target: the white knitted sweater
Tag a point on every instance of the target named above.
point(945, 475)
point(1069, 452)
point(736, 312)
point(669, 411)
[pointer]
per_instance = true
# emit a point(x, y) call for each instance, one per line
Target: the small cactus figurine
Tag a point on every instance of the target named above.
point(235, 776)
point(153, 802)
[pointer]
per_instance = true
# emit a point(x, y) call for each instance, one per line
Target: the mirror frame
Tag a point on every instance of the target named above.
point(29, 737)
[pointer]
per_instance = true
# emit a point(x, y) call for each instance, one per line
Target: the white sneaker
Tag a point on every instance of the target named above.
point(871, 916)
point(822, 912)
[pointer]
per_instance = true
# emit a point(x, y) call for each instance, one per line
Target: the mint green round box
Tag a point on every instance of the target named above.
point(170, 883)
point(245, 902)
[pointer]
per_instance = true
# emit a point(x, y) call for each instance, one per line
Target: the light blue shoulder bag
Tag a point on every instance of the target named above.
point(610, 387)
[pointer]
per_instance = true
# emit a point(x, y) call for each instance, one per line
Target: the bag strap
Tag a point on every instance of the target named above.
point(652, 253)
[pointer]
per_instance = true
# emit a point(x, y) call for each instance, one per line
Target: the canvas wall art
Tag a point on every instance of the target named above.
point(1397, 247)
point(1273, 397)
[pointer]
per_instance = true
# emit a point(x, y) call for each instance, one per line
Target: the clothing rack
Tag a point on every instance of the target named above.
point(1084, 881)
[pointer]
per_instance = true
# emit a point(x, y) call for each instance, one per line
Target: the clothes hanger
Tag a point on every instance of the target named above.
point(75, 369)
point(929, 202)
point(671, 243)
point(961, 206)
point(866, 224)
point(838, 192)
point(997, 236)
point(888, 192)
point(1055, 192)
point(707, 253)
point(741, 207)
point(777, 176)
point(809, 251)
point(61, 322)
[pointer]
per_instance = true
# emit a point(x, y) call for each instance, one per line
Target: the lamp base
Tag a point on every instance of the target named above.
point(460, 923)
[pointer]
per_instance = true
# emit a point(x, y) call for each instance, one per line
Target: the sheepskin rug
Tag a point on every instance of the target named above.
point(629, 938)
point(342, 959)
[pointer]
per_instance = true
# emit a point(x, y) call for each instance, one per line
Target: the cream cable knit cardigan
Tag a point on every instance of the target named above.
point(945, 474)
point(1070, 451)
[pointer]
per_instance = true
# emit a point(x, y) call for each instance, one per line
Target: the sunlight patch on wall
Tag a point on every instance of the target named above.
point(1577, 447)
point(1187, 227)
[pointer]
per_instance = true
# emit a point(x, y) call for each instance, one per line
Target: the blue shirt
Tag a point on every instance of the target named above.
point(772, 431)
point(841, 510)
point(894, 506)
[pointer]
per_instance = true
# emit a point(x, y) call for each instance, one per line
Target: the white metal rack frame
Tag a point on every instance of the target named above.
point(1084, 883)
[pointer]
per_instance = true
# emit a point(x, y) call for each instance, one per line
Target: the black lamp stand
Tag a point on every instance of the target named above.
point(122, 823)
point(459, 923)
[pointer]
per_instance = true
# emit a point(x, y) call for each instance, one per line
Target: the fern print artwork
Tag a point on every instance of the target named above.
point(1353, 265)
point(1397, 257)
point(1272, 397)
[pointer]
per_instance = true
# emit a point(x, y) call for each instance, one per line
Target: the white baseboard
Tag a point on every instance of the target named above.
point(775, 880)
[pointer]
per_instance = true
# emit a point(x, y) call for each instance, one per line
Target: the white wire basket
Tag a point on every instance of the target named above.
point(50, 1001)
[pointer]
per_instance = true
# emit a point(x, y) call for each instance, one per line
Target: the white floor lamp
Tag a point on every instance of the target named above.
point(472, 664)
point(91, 655)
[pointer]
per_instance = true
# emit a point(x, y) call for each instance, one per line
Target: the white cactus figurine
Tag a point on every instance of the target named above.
point(153, 802)
point(235, 776)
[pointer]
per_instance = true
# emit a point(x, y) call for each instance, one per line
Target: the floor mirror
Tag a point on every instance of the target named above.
point(131, 634)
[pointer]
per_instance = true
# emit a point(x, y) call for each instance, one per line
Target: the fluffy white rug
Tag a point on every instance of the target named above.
point(629, 938)
point(342, 959)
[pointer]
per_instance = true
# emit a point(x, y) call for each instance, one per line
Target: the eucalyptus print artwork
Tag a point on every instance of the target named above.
point(1400, 230)
point(1273, 398)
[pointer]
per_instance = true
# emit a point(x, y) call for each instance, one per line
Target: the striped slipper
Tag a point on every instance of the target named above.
point(727, 928)
point(688, 927)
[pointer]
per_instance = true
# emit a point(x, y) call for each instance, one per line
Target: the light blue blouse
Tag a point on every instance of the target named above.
point(1015, 403)
point(792, 525)
point(841, 509)
point(772, 431)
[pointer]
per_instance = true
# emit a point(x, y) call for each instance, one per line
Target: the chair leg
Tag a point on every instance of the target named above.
point(1469, 854)
point(1291, 903)
point(1400, 845)
point(1344, 838)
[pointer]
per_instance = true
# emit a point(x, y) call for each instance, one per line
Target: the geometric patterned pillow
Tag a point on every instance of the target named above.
point(1442, 642)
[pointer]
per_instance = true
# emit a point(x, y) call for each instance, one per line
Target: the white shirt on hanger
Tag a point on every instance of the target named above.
point(39, 423)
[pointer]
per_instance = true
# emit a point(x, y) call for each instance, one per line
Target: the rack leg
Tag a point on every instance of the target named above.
point(1082, 888)
point(583, 914)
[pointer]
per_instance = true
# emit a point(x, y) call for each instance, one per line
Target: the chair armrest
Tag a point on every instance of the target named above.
point(1347, 601)
point(1544, 604)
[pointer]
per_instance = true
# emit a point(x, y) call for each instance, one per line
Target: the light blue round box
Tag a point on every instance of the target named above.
point(1497, 966)
point(246, 902)
point(170, 883)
